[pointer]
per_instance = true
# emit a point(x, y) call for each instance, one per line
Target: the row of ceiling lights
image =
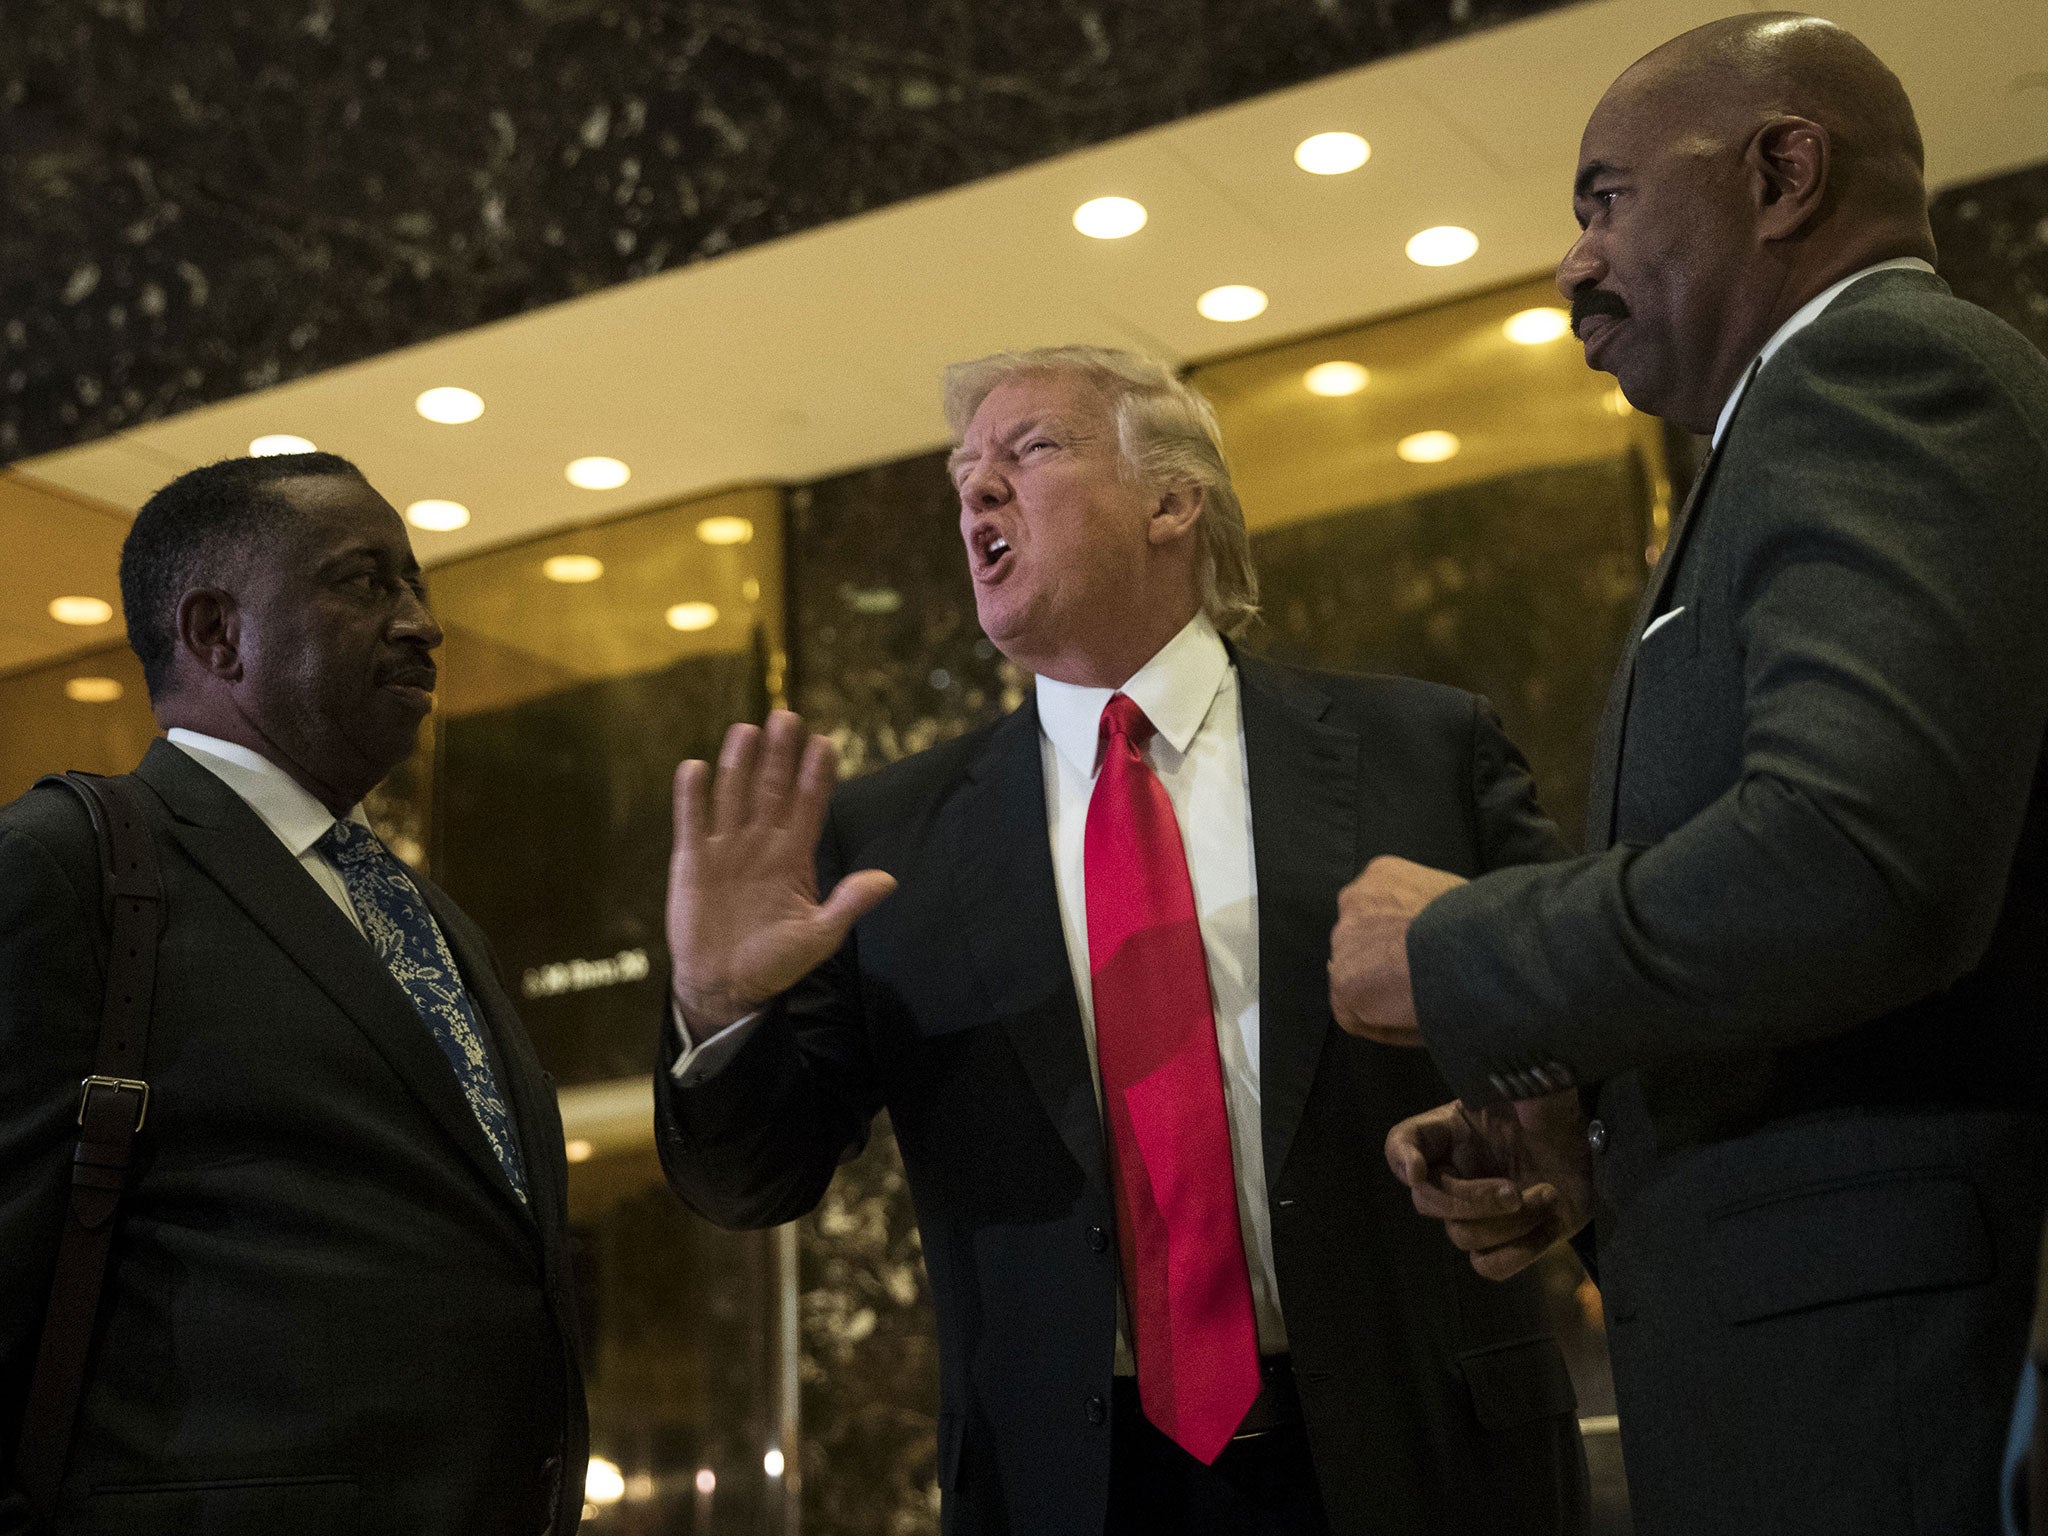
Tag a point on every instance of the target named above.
point(451, 406)
point(1102, 218)
point(1340, 377)
point(1320, 154)
point(1334, 379)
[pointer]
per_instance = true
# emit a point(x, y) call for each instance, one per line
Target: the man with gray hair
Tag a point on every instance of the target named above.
point(1171, 1293)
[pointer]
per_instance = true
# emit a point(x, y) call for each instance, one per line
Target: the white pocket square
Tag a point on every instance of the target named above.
point(1661, 620)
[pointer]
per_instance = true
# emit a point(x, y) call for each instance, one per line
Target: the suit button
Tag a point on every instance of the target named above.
point(1098, 1239)
point(1596, 1135)
point(1098, 1411)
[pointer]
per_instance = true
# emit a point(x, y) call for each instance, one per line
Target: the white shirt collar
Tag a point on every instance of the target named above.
point(1175, 689)
point(285, 806)
point(1804, 316)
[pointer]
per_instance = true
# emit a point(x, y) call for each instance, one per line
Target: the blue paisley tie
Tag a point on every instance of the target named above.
point(406, 938)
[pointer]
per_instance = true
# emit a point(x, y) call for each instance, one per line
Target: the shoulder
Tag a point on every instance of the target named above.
point(46, 835)
point(1905, 336)
point(923, 778)
point(53, 819)
point(1361, 700)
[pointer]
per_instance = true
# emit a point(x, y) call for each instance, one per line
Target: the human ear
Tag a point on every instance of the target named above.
point(1789, 161)
point(210, 632)
point(1177, 511)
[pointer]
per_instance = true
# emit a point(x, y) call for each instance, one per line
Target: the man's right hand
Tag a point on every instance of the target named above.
point(744, 920)
point(1508, 1181)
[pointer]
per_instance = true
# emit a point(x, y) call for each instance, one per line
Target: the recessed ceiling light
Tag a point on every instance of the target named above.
point(1444, 246)
point(572, 568)
point(603, 1483)
point(692, 616)
point(707, 1480)
point(578, 1150)
point(1428, 447)
point(725, 530)
point(1109, 218)
point(1335, 379)
point(1231, 302)
point(449, 405)
point(1533, 327)
point(93, 690)
point(597, 474)
point(438, 516)
point(1331, 154)
point(269, 447)
point(772, 1462)
point(81, 610)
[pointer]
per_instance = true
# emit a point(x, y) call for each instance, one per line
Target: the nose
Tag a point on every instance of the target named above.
point(983, 487)
point(415, 621)
point(1582, 264)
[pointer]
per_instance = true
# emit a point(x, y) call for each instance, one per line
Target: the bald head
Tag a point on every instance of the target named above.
point(1730, 78)
point(1724, 180)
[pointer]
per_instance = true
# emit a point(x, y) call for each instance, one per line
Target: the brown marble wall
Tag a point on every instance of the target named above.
point(1993, 237)
point(1519, 589)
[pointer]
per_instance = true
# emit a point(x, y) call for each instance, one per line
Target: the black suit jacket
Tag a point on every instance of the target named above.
point(1807, 964)
point(327, 1311)
point(1435, 1402)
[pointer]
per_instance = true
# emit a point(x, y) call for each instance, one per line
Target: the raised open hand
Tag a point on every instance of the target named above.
point(744, 919)
point(1507, 1181)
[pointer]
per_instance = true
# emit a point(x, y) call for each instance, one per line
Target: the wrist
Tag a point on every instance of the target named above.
point(705, 1012)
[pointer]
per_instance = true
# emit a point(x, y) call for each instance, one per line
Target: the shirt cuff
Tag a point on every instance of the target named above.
point(699, 1062)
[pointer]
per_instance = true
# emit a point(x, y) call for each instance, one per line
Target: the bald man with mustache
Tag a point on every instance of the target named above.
point(1783, 1032)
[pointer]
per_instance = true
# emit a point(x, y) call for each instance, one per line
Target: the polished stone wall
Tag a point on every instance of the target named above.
point(1993, 238)
point(1519, 589)
point(198, 199)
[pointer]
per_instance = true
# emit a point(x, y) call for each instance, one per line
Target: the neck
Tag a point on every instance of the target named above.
point(182, 712)
point(1112, 660)
point(1791, 290)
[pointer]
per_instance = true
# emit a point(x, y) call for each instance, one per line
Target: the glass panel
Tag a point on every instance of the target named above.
point(579, 670)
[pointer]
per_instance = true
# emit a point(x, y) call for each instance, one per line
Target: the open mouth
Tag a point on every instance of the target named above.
point(991, 553)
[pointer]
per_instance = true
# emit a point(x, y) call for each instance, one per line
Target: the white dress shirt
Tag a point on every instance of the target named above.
point(1189, 693)
point(280, 802)
point(1801, 318)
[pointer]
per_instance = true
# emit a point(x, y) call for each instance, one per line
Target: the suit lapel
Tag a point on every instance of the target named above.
point(243, 857)
point(1601, 798)
point(1000, 854)
point(1302, 775)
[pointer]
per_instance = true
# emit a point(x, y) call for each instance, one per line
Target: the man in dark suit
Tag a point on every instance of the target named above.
point(338, 1299)
point(1096, 1009)
point(1803, 977)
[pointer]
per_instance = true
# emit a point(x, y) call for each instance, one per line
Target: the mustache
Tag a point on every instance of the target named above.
point(1589, 299)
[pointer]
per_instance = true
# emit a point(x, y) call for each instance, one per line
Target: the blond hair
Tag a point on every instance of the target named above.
point(1166, 437)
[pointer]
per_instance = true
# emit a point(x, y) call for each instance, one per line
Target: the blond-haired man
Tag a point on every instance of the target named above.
point(1081, 960)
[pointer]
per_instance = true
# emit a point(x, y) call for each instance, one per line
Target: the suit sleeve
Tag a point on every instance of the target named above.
point(51, 989)
point(1512, 828)
point(1884, 577)
point(756, 1143)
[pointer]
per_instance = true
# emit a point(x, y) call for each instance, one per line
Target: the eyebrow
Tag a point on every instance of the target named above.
point(1592, 173)
point(1023, 429)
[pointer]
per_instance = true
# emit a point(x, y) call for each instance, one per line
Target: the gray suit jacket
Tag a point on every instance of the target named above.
point(1804, 970)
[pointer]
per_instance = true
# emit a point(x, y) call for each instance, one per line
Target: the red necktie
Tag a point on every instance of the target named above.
point(1185, 1282)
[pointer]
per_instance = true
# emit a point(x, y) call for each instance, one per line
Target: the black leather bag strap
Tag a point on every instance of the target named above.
point(113, 1107)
